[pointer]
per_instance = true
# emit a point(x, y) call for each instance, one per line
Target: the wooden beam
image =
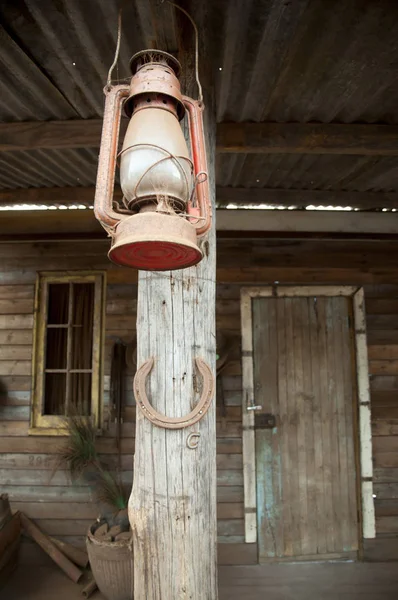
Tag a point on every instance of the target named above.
point(307, 138)
point(75, 133)
point(235, 223)
point(225, 195)
point(253, 138)
point(307, 221)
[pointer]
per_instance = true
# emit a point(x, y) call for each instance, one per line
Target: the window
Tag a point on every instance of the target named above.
point(68, 350)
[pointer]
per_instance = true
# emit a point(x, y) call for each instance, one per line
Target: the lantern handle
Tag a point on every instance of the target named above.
point(195, 118)
point(107, 158)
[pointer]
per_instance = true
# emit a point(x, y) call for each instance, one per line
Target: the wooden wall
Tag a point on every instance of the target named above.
point(65, 511)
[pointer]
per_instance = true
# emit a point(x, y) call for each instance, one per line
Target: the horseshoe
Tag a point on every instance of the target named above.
point(158, 418)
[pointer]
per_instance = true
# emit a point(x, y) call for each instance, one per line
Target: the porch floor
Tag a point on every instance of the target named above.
point(328, 581)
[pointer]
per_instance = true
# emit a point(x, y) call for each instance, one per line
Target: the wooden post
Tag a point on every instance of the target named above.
point(172, 508)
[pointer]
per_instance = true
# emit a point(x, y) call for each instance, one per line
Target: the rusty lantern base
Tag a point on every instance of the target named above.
point(154, 241)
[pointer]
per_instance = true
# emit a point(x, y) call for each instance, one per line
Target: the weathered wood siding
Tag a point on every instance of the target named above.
point(26, 462)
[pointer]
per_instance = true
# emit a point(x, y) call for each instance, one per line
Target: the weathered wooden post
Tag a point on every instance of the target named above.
point(164, 223)
point(173, 503)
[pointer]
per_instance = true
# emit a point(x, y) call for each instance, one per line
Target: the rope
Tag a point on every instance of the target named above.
point(119, 35)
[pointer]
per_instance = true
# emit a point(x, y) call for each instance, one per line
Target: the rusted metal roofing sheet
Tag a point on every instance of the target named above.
point(308, 172)
point(274, 60)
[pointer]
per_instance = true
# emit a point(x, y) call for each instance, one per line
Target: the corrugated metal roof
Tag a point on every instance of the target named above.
point(274, 60)
point(309, 60)
point(48, 168)
point(309, 172)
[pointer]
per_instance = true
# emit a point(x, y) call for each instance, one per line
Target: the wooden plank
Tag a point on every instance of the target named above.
point(60, 527)
point(347, 426)
point(46, 493)
point(365, 428)
point(326, 420)
point(386, 490)
point(383, 367)
point(16, 383)
point(307, 221)
point(230, 494)
point(14, 413)
point(17, 292)
point(314, 355)
point(16, 336)
point(14, 428)
point(384, 383)
point(15, 352)
point(304, 540)
point(248, 436)
point(386, 475)
point(230, 528)
point(274, 138)
point(73, 133)
point(268, 453)
point(16, 321)
point(15, 367)
point(293, 542)
point(230, 510)
point(36, 445)
point(58, 510)
point(382, 351)
point(386, 508)
point(307, 138)
point(283, 428)
point(384, 427)
point(384, 412)
point(229, 477)
point(382, 306)
point(387, 398)
point(237, 554)
point(15, 398)
point(332, 399)
point(380, 322)
point(16, 306)
point(385, 444)
point(380, 550)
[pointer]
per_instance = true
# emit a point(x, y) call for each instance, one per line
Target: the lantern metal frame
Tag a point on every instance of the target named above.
point(198, 212)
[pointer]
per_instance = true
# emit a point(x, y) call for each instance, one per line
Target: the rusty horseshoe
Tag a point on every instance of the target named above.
point(161, 420)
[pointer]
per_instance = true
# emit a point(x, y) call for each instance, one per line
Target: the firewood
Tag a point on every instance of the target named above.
point(115, 530)
point(89, 588)
point(101, 531)
point(51, 549)
point(125, 535)
point(77, 555)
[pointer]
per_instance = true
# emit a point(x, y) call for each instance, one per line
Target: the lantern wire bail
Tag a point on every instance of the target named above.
point(119, 36)
point(200, 93)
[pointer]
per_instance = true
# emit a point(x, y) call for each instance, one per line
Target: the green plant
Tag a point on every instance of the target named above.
point(80, 457)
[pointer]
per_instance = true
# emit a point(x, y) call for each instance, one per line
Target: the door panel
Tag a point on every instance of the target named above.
point(303, 374)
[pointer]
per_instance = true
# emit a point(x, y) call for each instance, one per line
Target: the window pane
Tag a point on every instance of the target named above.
point(58, 300)
point(54, 393)
point(80, 394)
point(56, 348)
point(82, 330)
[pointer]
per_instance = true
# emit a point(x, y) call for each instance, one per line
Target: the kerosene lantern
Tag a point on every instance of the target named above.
point(165, 204)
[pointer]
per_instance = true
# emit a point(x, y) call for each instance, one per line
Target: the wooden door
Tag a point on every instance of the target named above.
point(306, 468)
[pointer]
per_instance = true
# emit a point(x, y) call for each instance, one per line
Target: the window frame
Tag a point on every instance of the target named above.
point(41, 424)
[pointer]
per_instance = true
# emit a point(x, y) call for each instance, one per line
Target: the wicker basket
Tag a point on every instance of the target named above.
point(112, 567)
